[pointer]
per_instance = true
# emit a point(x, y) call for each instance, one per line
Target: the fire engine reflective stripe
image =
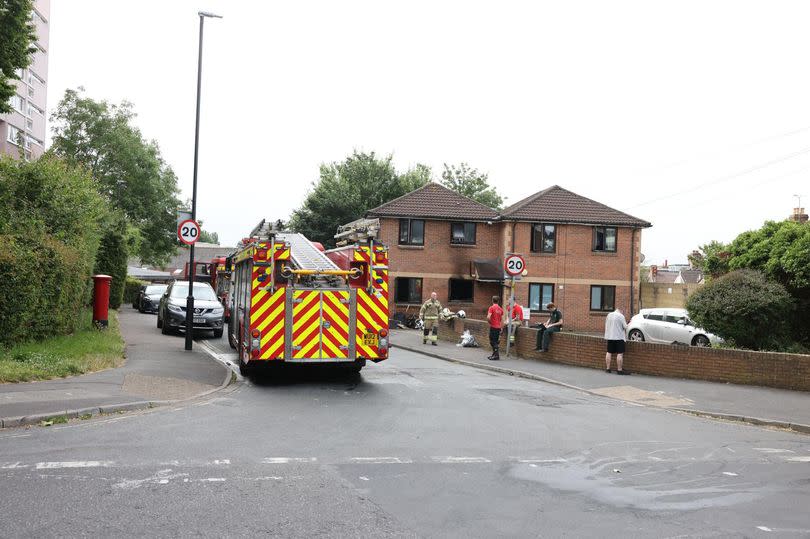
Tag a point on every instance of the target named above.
point(371, 318)
point(337, 315)
point(282, 253)
point(271, 326)
point(306, 324)
point(362, 254)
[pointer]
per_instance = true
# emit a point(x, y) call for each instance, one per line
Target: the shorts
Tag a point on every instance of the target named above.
point(615, 346)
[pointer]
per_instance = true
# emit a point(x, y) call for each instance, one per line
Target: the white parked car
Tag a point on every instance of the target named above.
point(668, 326)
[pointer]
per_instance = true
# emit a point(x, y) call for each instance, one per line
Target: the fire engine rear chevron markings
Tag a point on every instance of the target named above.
point(335, 337)
point(271, 327)
point(306, 324)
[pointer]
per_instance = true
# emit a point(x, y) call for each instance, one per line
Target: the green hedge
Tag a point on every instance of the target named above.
point(50, 219)
point(131, 288)
point(112, 260)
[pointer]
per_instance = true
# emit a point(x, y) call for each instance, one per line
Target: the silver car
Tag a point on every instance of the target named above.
point(668, 326)
point(208, 311)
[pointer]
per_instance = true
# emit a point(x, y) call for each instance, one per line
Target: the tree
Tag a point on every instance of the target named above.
point(346, 190)
point(19, 36)
point(209, 237)
point(112, 260)
point(745, 308)
point(129, 171)
point(471, 183)
point(711, 258)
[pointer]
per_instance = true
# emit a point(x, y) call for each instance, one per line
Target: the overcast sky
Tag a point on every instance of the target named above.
point(694, 116)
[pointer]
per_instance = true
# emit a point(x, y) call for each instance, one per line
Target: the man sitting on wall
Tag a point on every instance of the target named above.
point(552, 325)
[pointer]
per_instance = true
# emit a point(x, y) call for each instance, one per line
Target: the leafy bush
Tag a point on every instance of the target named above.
point(745, 308)
point(131, 288)
point(112, 260)
point(50, 217)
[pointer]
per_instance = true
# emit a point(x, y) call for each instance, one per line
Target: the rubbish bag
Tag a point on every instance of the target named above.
point(467, 340)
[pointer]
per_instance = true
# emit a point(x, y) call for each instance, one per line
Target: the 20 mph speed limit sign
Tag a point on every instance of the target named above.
point(188, 231)
point(514, 265)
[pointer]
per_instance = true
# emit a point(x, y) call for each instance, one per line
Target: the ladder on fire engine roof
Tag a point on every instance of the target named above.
point(359, 230)
point(304, 254)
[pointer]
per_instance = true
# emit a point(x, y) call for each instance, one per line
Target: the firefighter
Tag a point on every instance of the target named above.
point(429, 314)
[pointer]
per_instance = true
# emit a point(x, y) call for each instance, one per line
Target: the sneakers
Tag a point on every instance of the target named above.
point(494, 358)
point(434, 343)
point(608, 371)
point(622, 372)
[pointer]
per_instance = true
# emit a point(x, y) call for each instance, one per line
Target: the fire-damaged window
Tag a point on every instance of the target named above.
point(603, 298)
point(544, 238)
point(604, 238)
point(408, 290)
point(460, 290)
point(411, 232)
point(462, 233)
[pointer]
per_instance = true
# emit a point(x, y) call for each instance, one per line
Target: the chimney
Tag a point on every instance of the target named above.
point(798, 215)
point(666, 265)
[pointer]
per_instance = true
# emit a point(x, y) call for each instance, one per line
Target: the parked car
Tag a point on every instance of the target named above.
point(668, 326)
point(209, 314)
point(148, 297)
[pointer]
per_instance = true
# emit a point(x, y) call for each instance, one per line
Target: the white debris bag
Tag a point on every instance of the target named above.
point(467, 340)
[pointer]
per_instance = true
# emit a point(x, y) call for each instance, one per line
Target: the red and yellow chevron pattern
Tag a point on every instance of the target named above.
point(372, 315)
point(267, 316)
point(335, 331)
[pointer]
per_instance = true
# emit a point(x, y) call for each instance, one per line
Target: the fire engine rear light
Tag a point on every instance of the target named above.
point(255, 333)
point(382, 344)
point(255, 344)
point(383, 332)
point(254, 353)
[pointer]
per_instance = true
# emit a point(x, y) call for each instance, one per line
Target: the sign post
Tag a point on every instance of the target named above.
point(188, 232)
point(513, 267)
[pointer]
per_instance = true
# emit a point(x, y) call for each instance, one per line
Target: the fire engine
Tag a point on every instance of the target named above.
point(293, 302)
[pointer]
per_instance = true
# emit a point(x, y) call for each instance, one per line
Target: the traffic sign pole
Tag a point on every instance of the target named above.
point(188, 232)
point(513, 265)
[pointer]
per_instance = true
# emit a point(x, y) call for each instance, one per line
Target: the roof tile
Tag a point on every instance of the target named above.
point(435, 201)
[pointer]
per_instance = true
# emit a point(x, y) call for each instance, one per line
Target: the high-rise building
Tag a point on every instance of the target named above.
point(22, 131)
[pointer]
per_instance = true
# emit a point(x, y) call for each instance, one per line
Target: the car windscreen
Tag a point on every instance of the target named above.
point(154, 290)
point(201, 291)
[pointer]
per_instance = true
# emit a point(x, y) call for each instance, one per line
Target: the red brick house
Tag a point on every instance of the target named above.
point(579, 253)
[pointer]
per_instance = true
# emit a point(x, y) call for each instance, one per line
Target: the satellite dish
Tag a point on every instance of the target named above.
point(642, 257)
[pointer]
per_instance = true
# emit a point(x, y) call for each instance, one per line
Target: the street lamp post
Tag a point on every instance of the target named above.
point(191, 269)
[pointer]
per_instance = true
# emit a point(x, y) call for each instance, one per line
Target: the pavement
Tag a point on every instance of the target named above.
point(157, 371)
point(764, 406)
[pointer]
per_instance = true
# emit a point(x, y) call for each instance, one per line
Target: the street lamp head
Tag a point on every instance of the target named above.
point(209, 14)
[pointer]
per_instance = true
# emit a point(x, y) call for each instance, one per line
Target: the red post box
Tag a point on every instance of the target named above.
point(101, 300)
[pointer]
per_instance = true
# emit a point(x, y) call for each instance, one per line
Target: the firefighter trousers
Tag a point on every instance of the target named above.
point(431, 331)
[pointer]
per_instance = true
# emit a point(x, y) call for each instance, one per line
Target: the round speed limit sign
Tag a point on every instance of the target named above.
point(188, 232)
point(514, 265)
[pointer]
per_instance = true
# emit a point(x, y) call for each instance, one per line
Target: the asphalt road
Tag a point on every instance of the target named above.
point(413, 447)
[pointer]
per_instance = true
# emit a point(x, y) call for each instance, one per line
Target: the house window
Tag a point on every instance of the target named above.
point(540, 295)
point(411, 232)
point(13, 134)
point(17, 103)
point(544, 238)
point(604, 239)
point(603, 298)
point(462, 233)
point(408, 290)
point(461, 290)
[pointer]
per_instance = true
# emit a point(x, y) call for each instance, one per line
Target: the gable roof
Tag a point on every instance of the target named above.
point(435, 201)
point(558, 205)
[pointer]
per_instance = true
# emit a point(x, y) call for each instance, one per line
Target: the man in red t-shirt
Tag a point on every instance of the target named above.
point(495, 319)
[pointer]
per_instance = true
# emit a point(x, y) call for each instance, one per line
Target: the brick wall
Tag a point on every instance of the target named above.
point(771, 369)
point(666, 294)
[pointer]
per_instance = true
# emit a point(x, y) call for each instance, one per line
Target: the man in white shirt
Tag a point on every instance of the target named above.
point(615, 335)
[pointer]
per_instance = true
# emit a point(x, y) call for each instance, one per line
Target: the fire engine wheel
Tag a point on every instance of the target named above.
point(245, 369)
point(231, 340)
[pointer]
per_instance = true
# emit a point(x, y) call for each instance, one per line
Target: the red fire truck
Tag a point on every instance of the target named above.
point(292, 302)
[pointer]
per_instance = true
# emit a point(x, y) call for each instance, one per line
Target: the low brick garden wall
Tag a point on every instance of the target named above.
point(771, 369)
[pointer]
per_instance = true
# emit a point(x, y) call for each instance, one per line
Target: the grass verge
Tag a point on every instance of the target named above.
point(86, 350)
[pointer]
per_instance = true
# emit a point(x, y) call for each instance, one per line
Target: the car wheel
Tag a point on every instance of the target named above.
point(159, 322)
point(636, 335)
point(217, 333)
point(701, 340)
point(165, 329)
